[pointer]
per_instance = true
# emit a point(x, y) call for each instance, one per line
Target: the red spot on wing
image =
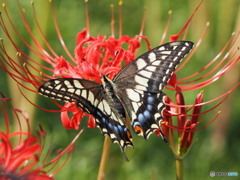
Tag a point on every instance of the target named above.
point(129, 135)
point(138, 129)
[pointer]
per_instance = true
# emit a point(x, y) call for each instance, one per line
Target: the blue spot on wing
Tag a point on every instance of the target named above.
point(147, 114)
point(149, 107)
point(141, 118)
point(150, 100)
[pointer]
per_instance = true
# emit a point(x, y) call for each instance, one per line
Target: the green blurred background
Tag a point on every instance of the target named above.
point(216, 148)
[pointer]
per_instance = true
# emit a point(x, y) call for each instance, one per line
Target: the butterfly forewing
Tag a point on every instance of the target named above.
point(151, 71)
point(84, 93)
point(140, 84)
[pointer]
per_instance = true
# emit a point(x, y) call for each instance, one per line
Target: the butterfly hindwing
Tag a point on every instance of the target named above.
point(112, 123)
point(145, 110)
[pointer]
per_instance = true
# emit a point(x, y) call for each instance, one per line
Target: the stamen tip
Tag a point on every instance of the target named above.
point(202, 91)
point(32, 2)
point(233, 33)
point(111, 5)
point(163, 122)
point(50, 1)
point(170, 12)
point(19, 54)
point(86, 1)
point(208, 23)
point(4, 5)
point(120, 3)
point(41, 73)
point(219, 112)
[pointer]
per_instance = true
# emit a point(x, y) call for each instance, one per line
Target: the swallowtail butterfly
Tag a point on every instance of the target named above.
point(135, 93)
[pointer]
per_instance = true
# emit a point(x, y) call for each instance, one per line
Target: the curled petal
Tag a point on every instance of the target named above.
point(181, 110)
point(186, 139)
point(91, 122)
point(74, 121)
point(197, 109)
point(61, 66)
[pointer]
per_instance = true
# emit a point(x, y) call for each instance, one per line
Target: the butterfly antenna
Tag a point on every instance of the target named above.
point(163, 136)
point(112, 61)
point(83, 59)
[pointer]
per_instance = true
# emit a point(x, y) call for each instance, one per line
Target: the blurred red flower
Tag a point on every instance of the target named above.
point(21, 153)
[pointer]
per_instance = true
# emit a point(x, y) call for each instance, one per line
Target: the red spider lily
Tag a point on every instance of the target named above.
point(21, 152)
point(186, 118)
point(95, 56)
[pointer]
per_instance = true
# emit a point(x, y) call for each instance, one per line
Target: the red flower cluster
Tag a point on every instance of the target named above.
point(21, 152)
point(94, 57)
point(101, 55)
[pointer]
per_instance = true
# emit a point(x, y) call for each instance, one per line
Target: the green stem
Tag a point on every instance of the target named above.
point(179, 169)
point(104, 159)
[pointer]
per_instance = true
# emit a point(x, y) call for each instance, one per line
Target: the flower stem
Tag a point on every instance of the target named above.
point(104, 159)
point(179, 168)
